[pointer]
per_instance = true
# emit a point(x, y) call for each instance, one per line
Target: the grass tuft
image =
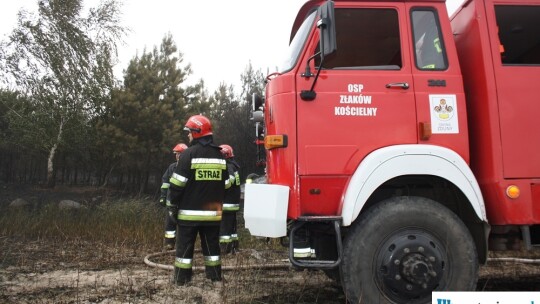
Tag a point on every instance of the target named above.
point(127, 222)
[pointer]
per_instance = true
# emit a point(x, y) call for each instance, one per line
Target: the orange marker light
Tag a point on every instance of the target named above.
point(275, 141)
point(512, 191)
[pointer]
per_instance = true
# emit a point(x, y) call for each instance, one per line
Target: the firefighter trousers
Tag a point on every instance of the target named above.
point(170, 232)
point(185, 243)
point(228, 237)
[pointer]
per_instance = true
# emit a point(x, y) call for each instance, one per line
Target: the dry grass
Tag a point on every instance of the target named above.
point(95, 255)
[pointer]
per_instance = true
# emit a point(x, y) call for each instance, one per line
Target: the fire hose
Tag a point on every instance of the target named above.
point(147, 261)
point(285, 265)
point(515, 260)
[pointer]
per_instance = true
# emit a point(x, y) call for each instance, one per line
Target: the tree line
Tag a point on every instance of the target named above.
point(65, 119)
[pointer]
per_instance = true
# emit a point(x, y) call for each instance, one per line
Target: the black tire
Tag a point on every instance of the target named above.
point(404, 248)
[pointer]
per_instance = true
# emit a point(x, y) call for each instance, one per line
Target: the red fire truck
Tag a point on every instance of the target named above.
point(401, 144)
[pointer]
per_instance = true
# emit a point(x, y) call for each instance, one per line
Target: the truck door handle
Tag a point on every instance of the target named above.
point(402, 85)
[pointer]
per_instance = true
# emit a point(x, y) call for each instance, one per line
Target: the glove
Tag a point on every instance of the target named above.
point(172, 212)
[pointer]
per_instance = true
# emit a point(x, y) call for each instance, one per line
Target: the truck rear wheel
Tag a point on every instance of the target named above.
point(404, 248)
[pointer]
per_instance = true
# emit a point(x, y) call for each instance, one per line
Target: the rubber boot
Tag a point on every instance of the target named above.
point(225, 247)
point(182, 276)
point(213, 273)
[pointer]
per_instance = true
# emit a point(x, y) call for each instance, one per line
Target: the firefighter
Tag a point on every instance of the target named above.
point(195, 200)
point(228, 237)
point(251, 177)
point(170, 225)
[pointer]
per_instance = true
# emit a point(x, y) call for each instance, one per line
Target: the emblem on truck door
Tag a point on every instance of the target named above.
point(443, 109)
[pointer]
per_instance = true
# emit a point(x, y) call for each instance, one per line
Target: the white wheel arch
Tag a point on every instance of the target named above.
point(389, 162)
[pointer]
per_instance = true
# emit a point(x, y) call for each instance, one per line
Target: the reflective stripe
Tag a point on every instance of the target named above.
point(199, 215)
point(237, 178)
point(302, 252)
point(228, 184)
point(212, 260)
point(168, 203)
point(165, 186)
point(178, 180)
point(225, 239)
point(208, 166)
point(170, 234)
point(182, 263)
point(234, 237)
point(231, 207)
point(208, 163)
point(200, 212)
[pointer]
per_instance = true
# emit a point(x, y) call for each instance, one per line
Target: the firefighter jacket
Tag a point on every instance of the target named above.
point(198, 184)
point(231, 202)
point(165, 183)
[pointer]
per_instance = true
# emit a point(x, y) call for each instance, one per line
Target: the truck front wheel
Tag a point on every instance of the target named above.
point(402, 249)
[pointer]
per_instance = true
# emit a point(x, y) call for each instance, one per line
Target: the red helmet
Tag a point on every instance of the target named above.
point(179, 148)
point(199, 126)
point(227, 151)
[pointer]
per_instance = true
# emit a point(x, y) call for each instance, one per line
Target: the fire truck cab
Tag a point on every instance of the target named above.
point(395, 136)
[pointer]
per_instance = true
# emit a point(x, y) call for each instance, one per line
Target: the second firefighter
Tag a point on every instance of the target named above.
point(228, 237)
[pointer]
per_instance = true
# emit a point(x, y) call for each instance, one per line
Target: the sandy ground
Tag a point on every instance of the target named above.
point(45, 272)
point(41, 272)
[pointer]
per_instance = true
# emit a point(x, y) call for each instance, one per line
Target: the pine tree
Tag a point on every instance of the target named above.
point(145, 118)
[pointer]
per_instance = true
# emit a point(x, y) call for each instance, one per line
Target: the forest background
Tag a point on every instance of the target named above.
point(65, 119)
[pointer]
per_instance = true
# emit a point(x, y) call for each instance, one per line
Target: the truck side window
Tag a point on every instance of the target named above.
point(429, 47)
point(519, 34)
point(367, 39)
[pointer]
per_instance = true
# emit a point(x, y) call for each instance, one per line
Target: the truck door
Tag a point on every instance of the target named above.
point(365, 95)
point(437, 78)
point(515, 36)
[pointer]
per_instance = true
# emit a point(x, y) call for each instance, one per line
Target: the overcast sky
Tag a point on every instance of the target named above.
point(218, 38)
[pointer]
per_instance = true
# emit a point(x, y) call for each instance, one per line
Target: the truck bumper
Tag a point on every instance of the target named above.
point(265, 209)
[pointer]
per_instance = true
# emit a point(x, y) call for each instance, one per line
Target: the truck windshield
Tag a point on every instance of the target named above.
point(291, 55)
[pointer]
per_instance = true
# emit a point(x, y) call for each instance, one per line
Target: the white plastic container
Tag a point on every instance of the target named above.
point(265, 209)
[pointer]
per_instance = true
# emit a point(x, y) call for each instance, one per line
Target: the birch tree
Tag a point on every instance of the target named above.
point(62, 57)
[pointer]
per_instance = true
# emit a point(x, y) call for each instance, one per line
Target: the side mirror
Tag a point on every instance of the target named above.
point(258, 116)
point(327, 27)
point(328, 45)
point(256, 102)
